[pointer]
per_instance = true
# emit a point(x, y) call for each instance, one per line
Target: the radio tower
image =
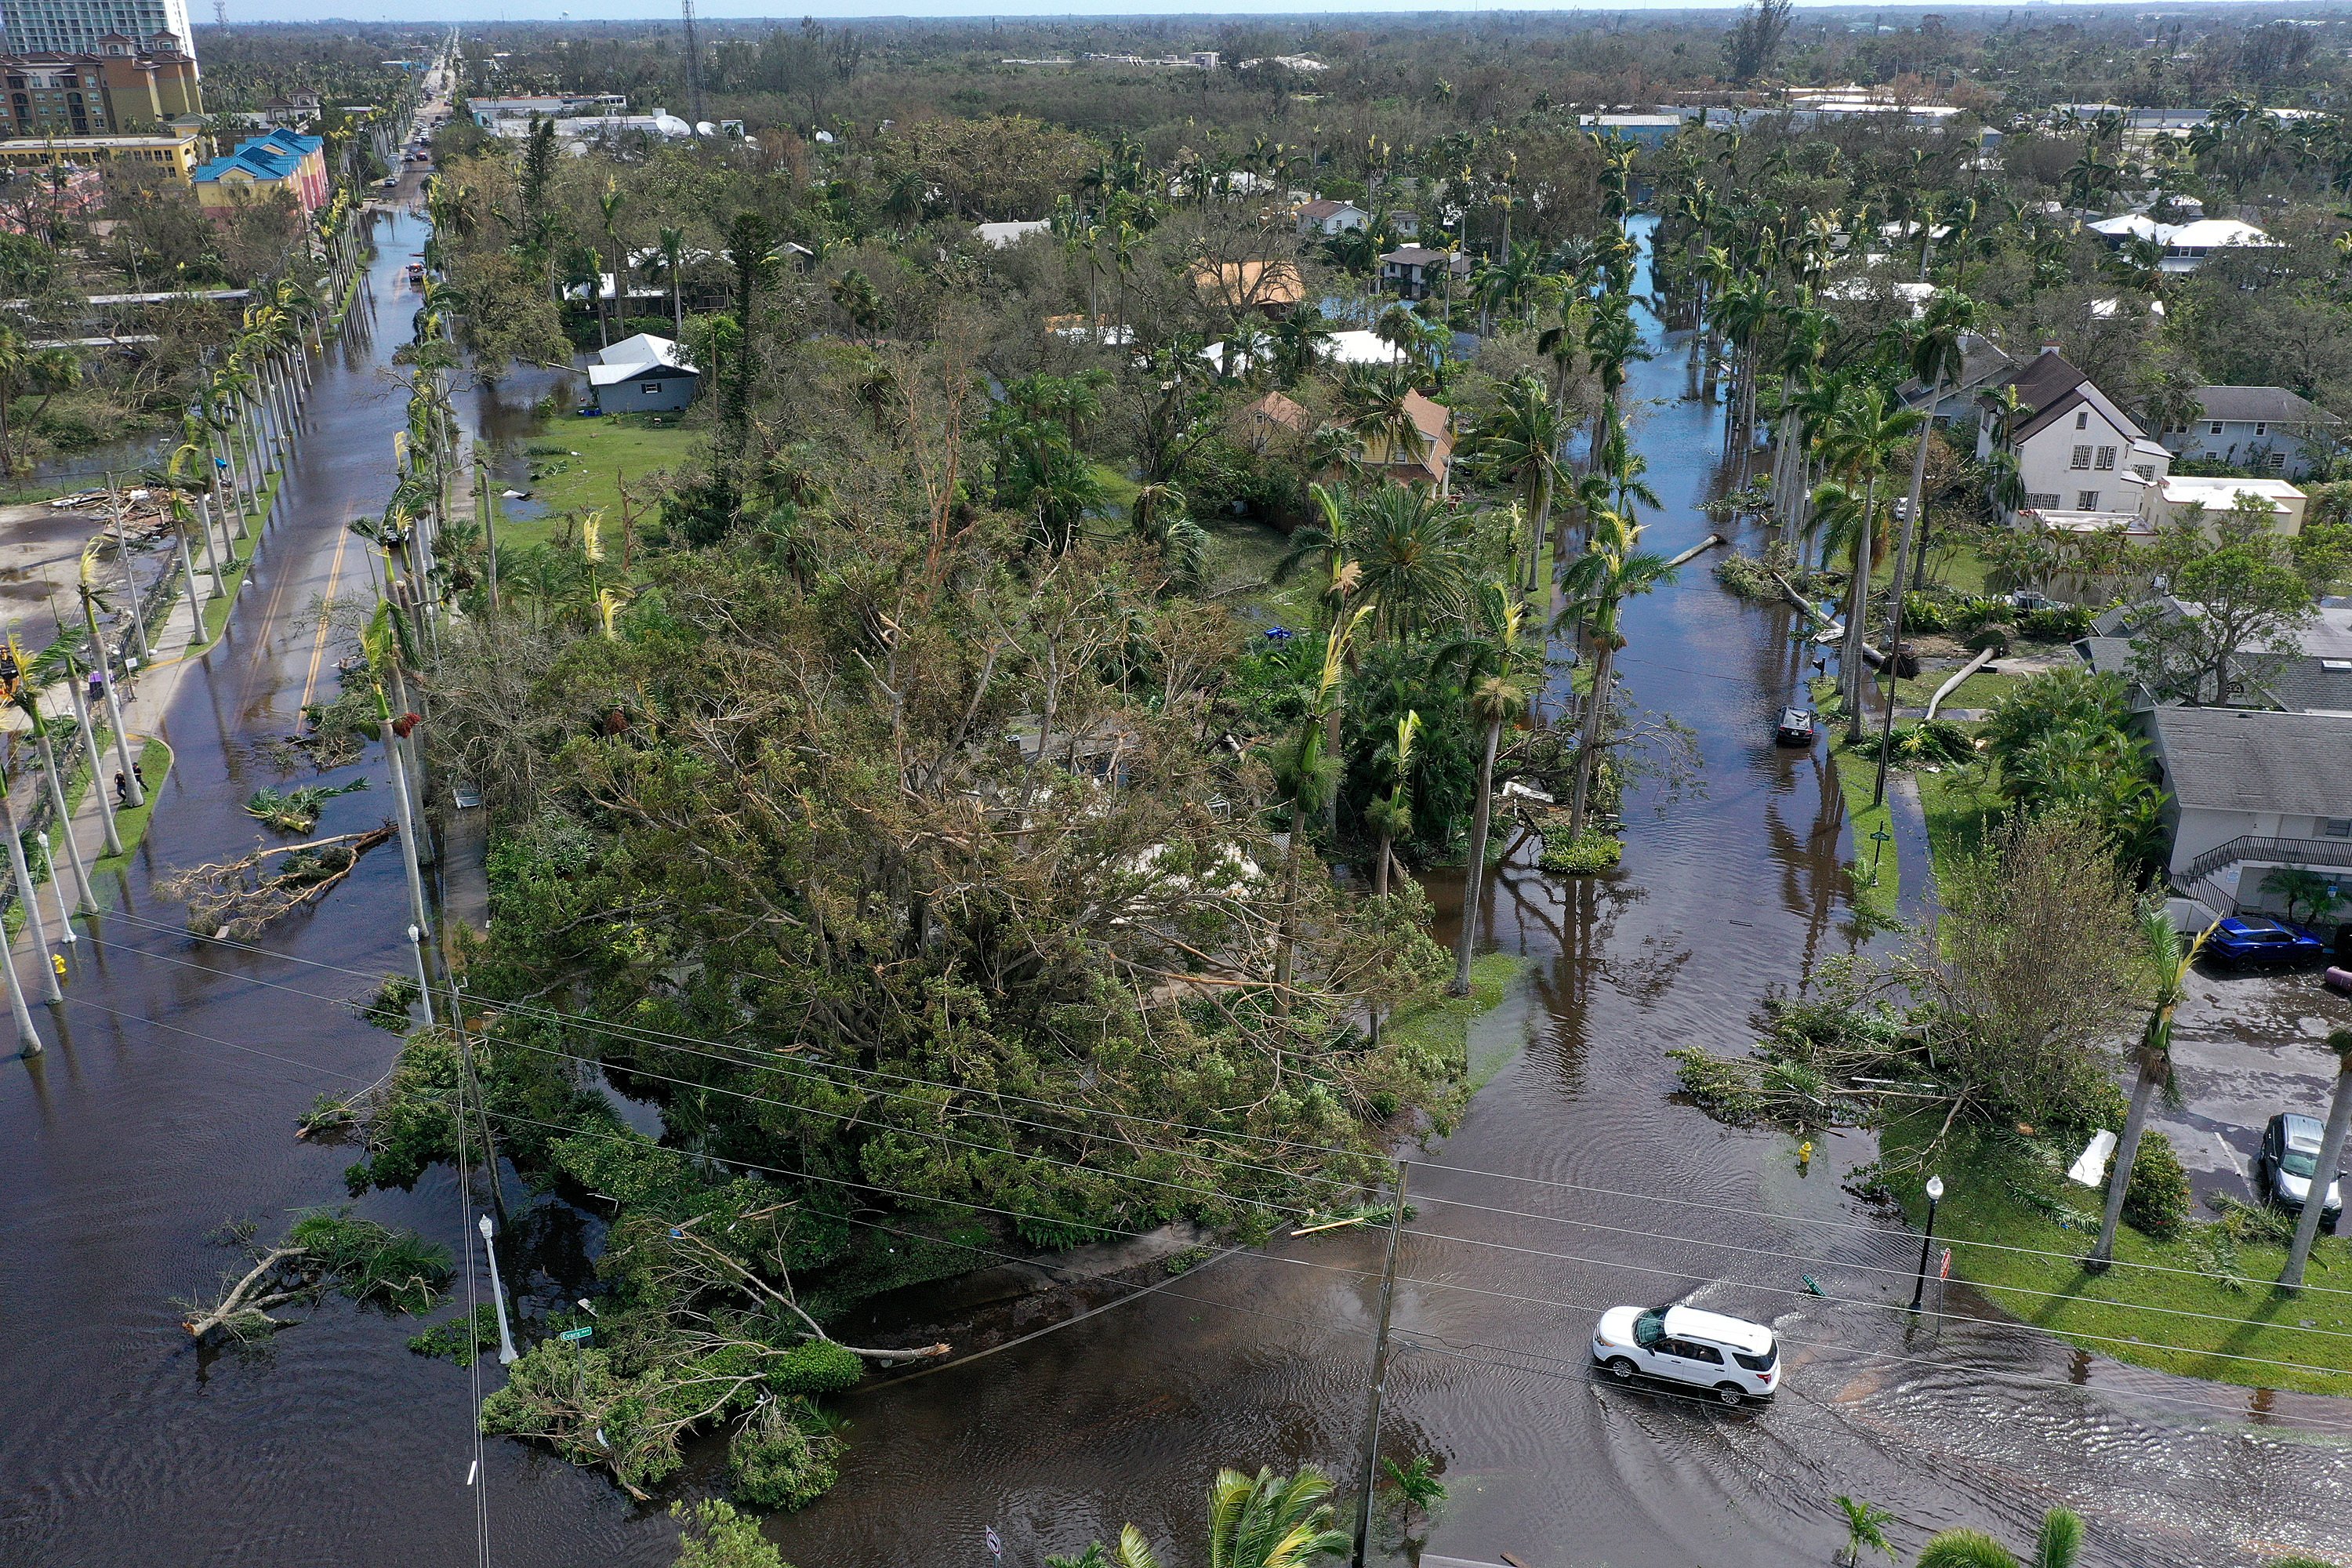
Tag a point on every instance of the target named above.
point(693, 66)
point(220, 13)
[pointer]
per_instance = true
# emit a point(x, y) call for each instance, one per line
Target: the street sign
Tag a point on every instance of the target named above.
point(1946, 1271)
point(581, 1333)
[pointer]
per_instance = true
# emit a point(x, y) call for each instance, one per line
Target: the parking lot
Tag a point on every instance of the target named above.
point(2246, 1045)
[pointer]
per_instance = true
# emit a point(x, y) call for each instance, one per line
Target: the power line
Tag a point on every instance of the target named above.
point(672, 1040)
point(1834, 1345)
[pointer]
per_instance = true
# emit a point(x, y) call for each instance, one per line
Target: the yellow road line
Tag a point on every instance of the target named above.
point(326, 611)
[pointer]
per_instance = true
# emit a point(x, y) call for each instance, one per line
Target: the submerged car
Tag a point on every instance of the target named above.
point(2289, 1160)
point(1795, 727)
point(1738, 1361)
point(2257, 939)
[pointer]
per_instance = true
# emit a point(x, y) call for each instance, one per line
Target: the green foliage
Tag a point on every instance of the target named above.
point(1745, 576)
point(1412, 1488)
point(371, 1263)
point(463, 1339)
point(713, 1536)
point(296, 810)
point(389, 1007)
point(2156, 1200)
point(2061, 741)
point(1594, 851)
point(2312, 893)
point(784, 1458)
point(1933, 741)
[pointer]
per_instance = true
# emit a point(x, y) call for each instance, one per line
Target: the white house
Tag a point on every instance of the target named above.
point(2186, 245)
point(2077, 452)
point(2178, 496)
point(644, 375)
point(1001, 236)
point(2266, 428)
point(1324, 217)
point(1416, 271)
point(2248, 792)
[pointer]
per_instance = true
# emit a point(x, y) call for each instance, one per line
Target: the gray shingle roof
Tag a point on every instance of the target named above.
point(2237, 759)
point(2274, 404)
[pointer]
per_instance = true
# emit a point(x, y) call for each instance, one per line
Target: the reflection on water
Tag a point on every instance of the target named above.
point(334, 1444)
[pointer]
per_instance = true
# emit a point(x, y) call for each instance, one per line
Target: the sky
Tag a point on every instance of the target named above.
point(619, 10)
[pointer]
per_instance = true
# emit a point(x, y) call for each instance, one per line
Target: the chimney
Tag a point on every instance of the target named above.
point(2050, 348)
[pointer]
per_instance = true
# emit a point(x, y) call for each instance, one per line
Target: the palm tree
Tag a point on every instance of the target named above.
point(1496, 697)
point(1373, 403)
point(1612, 343)
point(2059, 1546)
point(1301, 336)
point(1410, 546)
point(1520, 440)
point(22, 369)
point(1391, 814)
point(1303, 770)
point(1865, 1527)
point(1861, 442)
point(2331, 1153)
point(1938, 355)
point(2168, 961)
point(1264, 1521)
point(1612, 568)
point(672, 247)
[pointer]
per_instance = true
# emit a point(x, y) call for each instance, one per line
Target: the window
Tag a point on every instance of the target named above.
point(2082, 420)
point(2146, 471)
point(2260, 428)
point(2042, 501)
point(2336, 827)
point(2087, 501)
point(2082, 457)
point(1691, 1350)
point(2277, 462)
point(2107, 459)
point(2215, 429)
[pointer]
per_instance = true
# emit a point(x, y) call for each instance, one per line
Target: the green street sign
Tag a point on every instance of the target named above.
point(575, 1333)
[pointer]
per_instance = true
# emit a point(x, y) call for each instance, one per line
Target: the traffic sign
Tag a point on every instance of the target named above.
point(579, 1333)
point(1946, 1271)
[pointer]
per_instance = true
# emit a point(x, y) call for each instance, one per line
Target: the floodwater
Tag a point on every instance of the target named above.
point(166, 1102)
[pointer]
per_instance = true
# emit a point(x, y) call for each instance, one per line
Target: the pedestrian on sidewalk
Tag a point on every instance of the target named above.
point(96, 687)
point(121, 789)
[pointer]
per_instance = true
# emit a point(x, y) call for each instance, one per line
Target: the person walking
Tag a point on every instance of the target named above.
point(121, 789)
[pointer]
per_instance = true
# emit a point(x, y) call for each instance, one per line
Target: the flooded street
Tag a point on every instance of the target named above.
point(167, 1101)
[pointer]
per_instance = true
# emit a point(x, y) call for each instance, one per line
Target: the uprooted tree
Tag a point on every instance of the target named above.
point(330, 1251)
point(239, 900)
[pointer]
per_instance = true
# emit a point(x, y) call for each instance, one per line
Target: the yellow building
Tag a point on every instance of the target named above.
point(169, 150)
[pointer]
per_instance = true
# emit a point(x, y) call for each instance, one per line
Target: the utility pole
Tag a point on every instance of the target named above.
point(1379, 1374)
point(693, 69)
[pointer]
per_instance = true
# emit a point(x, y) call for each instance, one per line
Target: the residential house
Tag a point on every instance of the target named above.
point(1416, 271)
point(2313, 677)
point(1982, 363)
point(1431, 464)
point(2249, 792)
point(282, 160)
point(2085, 462)
point(1002, 236)
point(2176, 496)
point(2186, 245)
point(1650, 131)
point(1323, 217)
point(644, 375)
point(1273, 287)
point(2266, 428)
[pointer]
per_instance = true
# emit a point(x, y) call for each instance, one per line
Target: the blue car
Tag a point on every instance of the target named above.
point(2254, 939)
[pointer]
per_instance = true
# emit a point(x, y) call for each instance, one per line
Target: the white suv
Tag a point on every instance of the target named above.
point(1739, 1359)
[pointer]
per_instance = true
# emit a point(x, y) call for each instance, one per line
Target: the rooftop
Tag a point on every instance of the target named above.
point(2237, 759)
point(2268, 404)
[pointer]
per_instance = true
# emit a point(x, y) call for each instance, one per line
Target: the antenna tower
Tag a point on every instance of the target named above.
point(220, 13)
point(693, 66)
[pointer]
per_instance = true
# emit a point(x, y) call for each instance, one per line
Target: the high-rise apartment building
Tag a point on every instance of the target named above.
point(114, 90)
point(75, 26)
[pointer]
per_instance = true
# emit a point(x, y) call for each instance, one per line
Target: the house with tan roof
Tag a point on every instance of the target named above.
point(1273, 287)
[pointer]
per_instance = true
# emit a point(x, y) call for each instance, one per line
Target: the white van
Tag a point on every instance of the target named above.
point(1737, 1360)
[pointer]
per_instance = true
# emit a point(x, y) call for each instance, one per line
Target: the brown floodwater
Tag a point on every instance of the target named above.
point(166, 1102)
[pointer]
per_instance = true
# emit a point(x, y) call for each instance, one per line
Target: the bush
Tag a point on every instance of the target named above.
point(1595, 851)
point(1924, 613)
point(815, 1366)
point(1745, 576)
point(2055, 624)
point(1938, 741)
point(2156, 1202)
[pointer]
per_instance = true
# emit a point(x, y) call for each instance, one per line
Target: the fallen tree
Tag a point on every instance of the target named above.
point(328, 1251)
point(238, 900)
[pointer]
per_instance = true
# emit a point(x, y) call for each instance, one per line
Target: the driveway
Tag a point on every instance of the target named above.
point(2245, 1046)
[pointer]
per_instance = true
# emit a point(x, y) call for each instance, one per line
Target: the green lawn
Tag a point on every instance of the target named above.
point(577, 465)
point(1443, 1026)
point(131, 825)
point(2006, 1192)
point(1977, 690)
point(1242, 556)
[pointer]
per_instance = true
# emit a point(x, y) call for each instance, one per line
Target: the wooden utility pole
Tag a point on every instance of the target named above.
point(1379, 1374)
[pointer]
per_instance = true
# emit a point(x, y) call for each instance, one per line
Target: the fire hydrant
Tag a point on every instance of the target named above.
point(1804, 1154)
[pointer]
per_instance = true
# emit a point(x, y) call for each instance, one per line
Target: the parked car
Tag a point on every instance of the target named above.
point(1795, 727)
point(2257, 939)
point(2290, 1156)
point(1737, 1360)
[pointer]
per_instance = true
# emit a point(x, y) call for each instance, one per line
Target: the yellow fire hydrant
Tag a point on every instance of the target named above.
point(1804, 1154)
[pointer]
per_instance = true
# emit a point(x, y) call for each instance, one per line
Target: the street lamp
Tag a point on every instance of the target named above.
point(498, 1297)
point(1935, 1195)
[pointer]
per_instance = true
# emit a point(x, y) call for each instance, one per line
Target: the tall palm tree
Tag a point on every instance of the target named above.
point(2060, 1545)
point(1497, 697)
point(1612, 568)
point(1519, 440)
point(1374, 405)
point(671, 244)
point(2168, 961)
point(1861, 442)
point(1612, 343)
point(2331, 1154)
point(1303, 770)
point(1938, 357)
point(1410, 545)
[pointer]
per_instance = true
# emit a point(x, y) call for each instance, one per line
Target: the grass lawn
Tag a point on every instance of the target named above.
point(1242, 556)
point(577, 465)
point(1958, 804)
point(2008, 1192)
point(131, 825)
point(1443, 1026)
point(1977, 690)
point(1857, 776)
